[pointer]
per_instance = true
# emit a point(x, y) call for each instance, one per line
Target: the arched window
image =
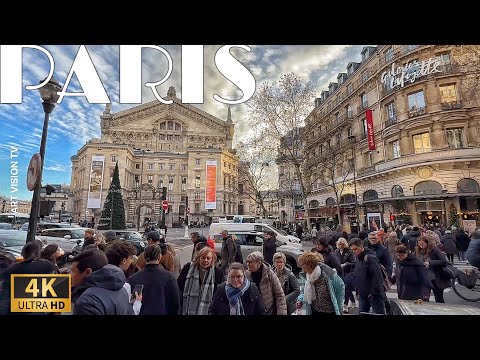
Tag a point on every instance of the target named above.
point(330, 202)
point(313, 204)
point(370, 195)
point(347, 199)
point(468, 186)
point(428, 188)
point(397, 191)
point(178, 127)
point(163, 126)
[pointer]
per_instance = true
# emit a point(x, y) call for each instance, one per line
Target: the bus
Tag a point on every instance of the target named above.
point(16, 219)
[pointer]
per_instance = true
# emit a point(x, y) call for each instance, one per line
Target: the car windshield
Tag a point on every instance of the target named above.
point(78, 233)
point(5, 226)
point(12, 238)
point(134, 236)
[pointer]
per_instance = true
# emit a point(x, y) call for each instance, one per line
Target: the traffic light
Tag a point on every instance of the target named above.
point(392, 217)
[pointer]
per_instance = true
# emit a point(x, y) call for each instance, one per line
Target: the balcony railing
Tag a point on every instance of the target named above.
point(366, 170)
point(391, 121)
point(451, 105)
point(362, 107)
point(416, 112)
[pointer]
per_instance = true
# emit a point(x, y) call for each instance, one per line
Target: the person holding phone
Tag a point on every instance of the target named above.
point(160, 294)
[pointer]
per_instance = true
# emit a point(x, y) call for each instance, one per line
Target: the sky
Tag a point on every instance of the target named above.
point(75, 121)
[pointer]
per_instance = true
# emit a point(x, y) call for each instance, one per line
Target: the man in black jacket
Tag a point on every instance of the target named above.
point(381, 253)
point(368, 279)
point(161, 295)
point(98, 286)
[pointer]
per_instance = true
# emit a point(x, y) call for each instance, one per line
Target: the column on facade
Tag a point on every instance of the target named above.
point(473, 130)
point(405, 143)
point(438, 136)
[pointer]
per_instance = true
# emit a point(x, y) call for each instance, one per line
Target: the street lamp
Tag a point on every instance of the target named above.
point(353, 142)
point(49, 95)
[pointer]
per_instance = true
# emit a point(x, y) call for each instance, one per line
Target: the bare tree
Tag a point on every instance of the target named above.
point(277, 112)
point(255, 174)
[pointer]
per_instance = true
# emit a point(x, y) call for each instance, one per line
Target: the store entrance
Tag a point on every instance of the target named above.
point(433, 218)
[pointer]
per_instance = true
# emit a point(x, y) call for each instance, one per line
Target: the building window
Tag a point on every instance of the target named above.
point(397, 191)
point(184, 167)
point(161, 166)
point(197, 161)
point(349, 111)
point(445, 58)
point(349, 88)
point(197, 208)
point(161, 136)
point(184, 183)
point(170, 125)
point(196, 196)
point(163, 126)
point(365, 76)
point(368, 158)
point(171, 199)
point(391, 113)
point(448, 94)
point(114, 158)
point(240, 189)
point(416, 103)
point(396, 149)
point(339, 139)
point(150, 166)
point(197, 181)
point(172, 166)
point(364, 127)
point(363, 101)
point(160, 183)
point(171, 179)
point(137, 166)
point(178, 127)
point(150, 179)
point(421, 143)
point(454, 138)
point(169, 137)
point(389, 54)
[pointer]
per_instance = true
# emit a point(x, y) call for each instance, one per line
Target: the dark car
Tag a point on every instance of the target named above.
point(132, 236)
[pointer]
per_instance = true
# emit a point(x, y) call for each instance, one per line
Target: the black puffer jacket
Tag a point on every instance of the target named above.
point(251, 301)
point(412, 282)
point(102, 293)
point(331, 260)
point(368, 275)
point(383, 257)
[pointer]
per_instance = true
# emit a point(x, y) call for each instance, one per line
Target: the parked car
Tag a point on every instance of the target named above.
point(216, 228)
point(410, 307)
point(132, 236)
point(11, 245)
point(253, 241)
point(66, 238)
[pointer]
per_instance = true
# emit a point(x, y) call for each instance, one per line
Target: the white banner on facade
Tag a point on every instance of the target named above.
point(96, 181)
point(211, 185)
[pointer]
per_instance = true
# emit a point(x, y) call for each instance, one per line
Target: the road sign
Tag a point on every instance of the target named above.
point(165, 205)
point(33, 172)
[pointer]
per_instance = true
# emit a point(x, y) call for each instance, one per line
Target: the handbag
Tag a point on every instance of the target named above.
point(448, 272)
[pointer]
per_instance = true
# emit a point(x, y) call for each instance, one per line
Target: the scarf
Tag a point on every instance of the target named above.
point(310, 293)
point(234, 297)
point(196, 298)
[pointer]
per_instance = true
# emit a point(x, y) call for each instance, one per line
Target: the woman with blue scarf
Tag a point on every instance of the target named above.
point(238, 296)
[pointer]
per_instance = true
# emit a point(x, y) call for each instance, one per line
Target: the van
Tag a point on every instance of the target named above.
point(281, 235)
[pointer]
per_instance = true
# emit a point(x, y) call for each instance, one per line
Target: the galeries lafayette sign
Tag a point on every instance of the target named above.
point(410, 72)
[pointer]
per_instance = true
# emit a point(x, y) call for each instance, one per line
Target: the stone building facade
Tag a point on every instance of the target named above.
point(157, 146)
point(425, 162)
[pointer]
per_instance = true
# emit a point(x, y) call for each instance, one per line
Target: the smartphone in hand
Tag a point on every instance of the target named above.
point(138, 290)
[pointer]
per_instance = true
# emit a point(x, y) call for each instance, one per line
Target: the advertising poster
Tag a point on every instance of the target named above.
point(374, 221)
point(96, 181)
point(211, 185)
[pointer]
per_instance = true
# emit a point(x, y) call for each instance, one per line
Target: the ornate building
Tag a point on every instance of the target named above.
point(157, 146)
point(418, 160)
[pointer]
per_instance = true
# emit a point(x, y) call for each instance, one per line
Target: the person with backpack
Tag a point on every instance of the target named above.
point(381, 253)
point(368, 279)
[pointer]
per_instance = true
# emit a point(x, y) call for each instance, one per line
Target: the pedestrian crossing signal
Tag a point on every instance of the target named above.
point(40, 293)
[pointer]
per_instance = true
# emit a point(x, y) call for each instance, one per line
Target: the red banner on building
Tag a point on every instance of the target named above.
point(370, 132)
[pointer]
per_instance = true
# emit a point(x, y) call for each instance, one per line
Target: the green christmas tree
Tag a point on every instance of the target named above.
point(453, 220)
point(113, 214)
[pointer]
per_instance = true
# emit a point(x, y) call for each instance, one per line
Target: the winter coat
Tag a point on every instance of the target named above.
point(160, 293)
point(449, 245)
point(410, 239)
point(412, 282)
point(390, 244)
point(182, 278)
point(363, 234)
point(462, 241)
point(473, 252)
point(347, 260)
point(336, 288)
point(383, 257)
point(271, 290)
point(330, 259)
point(251, 301)
point(437, 262)
point(102, 293)
point(229, 250)
point(334, 236)
point(368, 275)
point(290, 287)
point(269, 249)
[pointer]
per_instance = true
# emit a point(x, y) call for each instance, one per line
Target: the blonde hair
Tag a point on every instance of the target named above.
point(204, 252)
point(341, 241)
point(310, 259)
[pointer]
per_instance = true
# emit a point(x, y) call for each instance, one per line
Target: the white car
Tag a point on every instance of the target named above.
point(217, 228)
point(66, 238)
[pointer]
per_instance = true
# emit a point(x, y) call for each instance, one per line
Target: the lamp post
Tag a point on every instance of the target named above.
point(353, 142)
point(49, 95)
point(114, 188)
point(140, 203)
